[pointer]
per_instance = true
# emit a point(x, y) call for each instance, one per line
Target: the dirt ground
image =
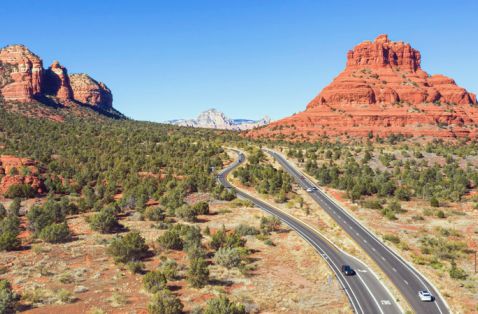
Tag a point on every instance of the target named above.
point(79, 276)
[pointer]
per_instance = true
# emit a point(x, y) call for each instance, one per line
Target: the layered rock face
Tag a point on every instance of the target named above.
point(88, 91)
point(23, 79)
point(21, 73)
point(214, 119)
point(383, 91)
point(16, 171)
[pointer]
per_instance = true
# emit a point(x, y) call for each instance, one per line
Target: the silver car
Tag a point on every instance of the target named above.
point(425, 296)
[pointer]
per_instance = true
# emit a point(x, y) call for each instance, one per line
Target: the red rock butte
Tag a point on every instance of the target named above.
point(23, 79)
point(382, 91)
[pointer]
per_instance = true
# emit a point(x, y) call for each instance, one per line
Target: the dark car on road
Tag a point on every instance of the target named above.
point(347, 270)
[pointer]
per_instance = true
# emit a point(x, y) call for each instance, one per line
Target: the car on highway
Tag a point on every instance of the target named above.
point(425, 296)
point(312, 189)
point(347, 270)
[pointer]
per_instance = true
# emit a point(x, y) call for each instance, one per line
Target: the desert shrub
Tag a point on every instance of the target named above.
point(8, 298)
point(198, 272)
point(9, 231)
point(135, 267)
point(171, 240)
point(441, 214)
point(201, 208)
point(56, 233)
point(434, 202)
point(51, 212)
point(14, 207)
point(457, 273)
point(20, 190)
point(223, 194)
point(227, 257)
point(403, 194)
point(186, 213)
point(169, 268)
point(154, 214)
point(105, 221)
point(196, 251)
point(131, 247)
point(3, 211)
point(269, 224)
point(372, 204)
point(223, 239)
point(154, 281)
point(222, 305)
point(391, 238)
point(392, 209)
point(244, 230)
point(165, 302)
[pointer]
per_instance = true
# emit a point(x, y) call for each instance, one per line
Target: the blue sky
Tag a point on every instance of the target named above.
point(174, 59)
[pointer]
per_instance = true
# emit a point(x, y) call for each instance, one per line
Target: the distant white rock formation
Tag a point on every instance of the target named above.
point(214, 119)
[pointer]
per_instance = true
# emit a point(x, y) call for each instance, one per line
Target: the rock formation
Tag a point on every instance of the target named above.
point(57, 82)
point(23, 79)
point(21, 73)
point(88, 91)
point(16, 171)
point(383, 91)
point(214, 119)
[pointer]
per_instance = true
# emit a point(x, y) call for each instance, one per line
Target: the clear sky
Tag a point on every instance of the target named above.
point(174, 59)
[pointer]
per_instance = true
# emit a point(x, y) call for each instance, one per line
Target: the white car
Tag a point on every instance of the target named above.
point(425, 296)
point(310, 190)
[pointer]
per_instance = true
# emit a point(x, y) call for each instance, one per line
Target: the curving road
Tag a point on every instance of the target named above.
point(364, 290)
point(404, 276)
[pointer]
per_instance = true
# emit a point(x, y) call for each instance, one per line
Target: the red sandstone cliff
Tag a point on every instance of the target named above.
point(383, 91)
point(15, 171)
point(23, 79)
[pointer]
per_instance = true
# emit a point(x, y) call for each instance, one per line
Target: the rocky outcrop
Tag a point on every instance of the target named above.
point(16, 171)
point(88, 91)
point(214, 119)
point(21, 73)
point(57, 82)
point(23, 79)
point(383, 91)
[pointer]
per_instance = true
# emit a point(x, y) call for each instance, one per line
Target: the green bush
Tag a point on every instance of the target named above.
point(131, 247)
point(227, 257)
point(391, 238)
point(198, 273)
point(40, 217)
point(222, 305)
point(154, 214)
point(3, 211)
point(169, 268)
point(372, 204)
point(105, 221)
point(9, 231)
point(20, 190)
point(441, 214)
point(14, 207)
point(56, 233)
point(154, 281)
point(434, 202)
point(244, 230)
point(165, 302)
point(8, 298)
point(186, 213)
point(269, 224)
point(171, 240)
point(457, 273)
point(201, 208)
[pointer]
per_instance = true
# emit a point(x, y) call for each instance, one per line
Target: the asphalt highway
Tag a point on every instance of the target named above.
point(403, 275)
point(365, 291)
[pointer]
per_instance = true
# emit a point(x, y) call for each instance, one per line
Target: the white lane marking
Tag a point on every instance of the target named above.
point(373, 249)
point(394, 269)
point(405, 282)
point(364, 240)
point(385, 302)
point(383, 258)
point(370, 292)
point(362, 270)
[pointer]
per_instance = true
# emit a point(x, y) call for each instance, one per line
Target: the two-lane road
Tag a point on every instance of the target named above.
point(364, 290)
point(405, 277)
